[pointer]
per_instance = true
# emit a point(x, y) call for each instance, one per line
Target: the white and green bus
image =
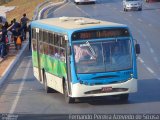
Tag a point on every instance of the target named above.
point(83, 57)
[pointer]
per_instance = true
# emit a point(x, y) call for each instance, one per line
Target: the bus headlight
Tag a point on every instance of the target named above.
point(81, 82)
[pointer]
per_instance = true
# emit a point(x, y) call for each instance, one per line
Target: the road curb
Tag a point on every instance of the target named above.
point(13, 63)
point(41, 14)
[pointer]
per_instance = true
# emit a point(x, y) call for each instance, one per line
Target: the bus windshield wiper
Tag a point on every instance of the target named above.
point(91, 49)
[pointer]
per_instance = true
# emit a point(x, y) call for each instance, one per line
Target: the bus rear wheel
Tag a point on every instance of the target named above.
point(68, 99)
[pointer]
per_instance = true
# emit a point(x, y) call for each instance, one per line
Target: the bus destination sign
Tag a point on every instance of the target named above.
point(103, 33)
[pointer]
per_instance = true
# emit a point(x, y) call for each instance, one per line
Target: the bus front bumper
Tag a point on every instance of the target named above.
point(81, 90)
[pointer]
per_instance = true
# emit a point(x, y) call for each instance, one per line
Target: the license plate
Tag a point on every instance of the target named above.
point(106, 89)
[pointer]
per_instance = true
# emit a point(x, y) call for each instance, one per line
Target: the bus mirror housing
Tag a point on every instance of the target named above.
point(137, 47)
point(66, 37)
point(68, 50)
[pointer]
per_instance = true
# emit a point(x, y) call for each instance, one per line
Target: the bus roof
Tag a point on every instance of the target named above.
point(77, 23)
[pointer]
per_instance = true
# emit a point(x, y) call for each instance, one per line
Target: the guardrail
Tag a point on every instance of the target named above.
point(36, 12)
point(39, 13)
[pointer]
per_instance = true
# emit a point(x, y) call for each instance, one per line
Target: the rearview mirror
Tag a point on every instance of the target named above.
point(137, 48)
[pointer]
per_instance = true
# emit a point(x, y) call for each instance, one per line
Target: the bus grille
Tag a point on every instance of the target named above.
point(101, 91)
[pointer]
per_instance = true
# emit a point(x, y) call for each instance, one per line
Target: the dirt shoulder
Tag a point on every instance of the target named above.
point(23, 6)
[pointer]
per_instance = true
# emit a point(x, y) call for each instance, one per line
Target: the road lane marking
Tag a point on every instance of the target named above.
point(155, 59)
point(141, 60)
point(139, 19)
point(130, 15)
point(83, 11)
point(148, 43)
point(126, 19)
point(150, 70)
point(151, 50)
point(20, 89)
point(150, 25)
point(58, 8)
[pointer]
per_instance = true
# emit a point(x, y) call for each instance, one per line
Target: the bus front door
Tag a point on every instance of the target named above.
point(38, 54)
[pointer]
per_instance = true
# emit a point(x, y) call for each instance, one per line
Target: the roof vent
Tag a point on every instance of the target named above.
point(64, 18)
point(83, 22)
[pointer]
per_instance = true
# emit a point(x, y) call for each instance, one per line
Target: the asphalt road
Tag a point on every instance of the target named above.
point(23, 94)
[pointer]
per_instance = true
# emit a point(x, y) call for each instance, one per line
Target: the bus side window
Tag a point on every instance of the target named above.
point(41, 48)
point(57, 41)
point(51, 50)
point(34, 45)
point(46, 48)
point(62, 55)
point(50, 38)
point(57, 53)
point(40, 35)
point(63, 42)
point(45, 36)
point(33, 33)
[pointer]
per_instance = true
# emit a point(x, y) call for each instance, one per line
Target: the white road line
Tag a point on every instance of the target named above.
point(83, 11)
point(59, 8)
point(126, 19)
point(151, 50)
point(139, 19)
point(155, 59)
point(20, 89)
point(150, 70)
point(141, 60)
point(143, 36)
point(130, 15)
point(148, 43)
point(150, 25)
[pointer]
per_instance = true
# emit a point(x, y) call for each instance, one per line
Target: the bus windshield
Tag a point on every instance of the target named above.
point(102, 56)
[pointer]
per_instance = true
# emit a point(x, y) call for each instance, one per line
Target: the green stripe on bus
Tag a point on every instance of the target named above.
point(50, 64)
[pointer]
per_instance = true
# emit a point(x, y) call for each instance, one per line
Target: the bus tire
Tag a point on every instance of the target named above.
point(77, 3)
point(124, 97)
point(47, 89)
point(68, 99)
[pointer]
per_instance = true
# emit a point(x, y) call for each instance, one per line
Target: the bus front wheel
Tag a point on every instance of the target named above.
point(68, 99)
point(124, 97)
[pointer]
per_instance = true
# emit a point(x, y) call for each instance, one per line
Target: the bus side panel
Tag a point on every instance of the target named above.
point(35, 65)
point(34, 59)
point(55, 82)
point(36, 73)
point(55, 70)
